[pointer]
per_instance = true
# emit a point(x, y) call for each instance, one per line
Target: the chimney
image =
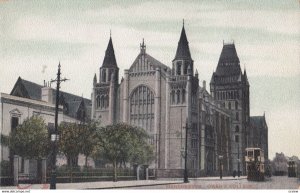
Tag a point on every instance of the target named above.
point(47, 94)
point(204, 84)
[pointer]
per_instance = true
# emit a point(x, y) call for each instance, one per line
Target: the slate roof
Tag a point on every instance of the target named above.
point(109, 58)
point(183, 50)
point(257, 121)
point(229, 63)
point(33, 91)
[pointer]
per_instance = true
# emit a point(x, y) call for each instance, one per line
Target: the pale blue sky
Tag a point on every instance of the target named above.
point(35, 35)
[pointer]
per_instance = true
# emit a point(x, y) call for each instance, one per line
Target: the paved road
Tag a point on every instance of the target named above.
point(276, 182)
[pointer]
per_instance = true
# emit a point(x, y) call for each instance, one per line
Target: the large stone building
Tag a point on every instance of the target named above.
point(164, 101)
point(231, 87)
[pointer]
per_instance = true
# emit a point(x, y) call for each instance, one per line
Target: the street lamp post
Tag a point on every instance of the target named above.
point(54, 136)
point(185, 174)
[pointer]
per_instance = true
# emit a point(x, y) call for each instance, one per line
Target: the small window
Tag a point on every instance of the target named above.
point(178, 68)
point(178, 96)
point(237, 116)
point(236, 105)
point(14, 123)
point(237, 138)
point(237, 129)
point(229, 105)
point(183, 95)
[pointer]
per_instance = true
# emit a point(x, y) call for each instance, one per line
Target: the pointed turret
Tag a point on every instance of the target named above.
point(183, 63)
point(196, 74)
point(95, 79)
point(245, 77)
point(183, 50)
point(109, 65)
point(109, 58)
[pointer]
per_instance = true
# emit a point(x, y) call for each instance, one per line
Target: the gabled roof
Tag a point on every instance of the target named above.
point(183, 50)
point(151, 61)
point(29, 89)
point(33, 91)
point(110, 58)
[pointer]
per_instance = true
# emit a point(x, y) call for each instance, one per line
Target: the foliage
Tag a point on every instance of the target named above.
point(124, 143)
point(30, 139)
point(5, 168)
point(4, 140)
point(77, 138)
point(89, 141)
point(70, 140)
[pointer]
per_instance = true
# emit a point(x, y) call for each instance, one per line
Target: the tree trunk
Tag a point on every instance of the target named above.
point(71, 170)
point(86, 166)
point(39, 170)
point(115, 171)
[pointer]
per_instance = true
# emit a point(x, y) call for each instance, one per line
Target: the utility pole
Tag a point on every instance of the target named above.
point(54, 136)
point(185, 174)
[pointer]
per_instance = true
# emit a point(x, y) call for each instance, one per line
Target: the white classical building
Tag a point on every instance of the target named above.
point(27, 99)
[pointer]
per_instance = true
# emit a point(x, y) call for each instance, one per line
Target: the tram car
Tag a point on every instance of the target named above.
point(255, 167)
point(292, 168)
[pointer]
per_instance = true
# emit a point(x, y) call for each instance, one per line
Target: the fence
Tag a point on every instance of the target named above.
point(64, 175)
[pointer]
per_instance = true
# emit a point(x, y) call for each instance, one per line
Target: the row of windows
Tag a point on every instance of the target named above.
point(102, 101)
point(181, 69)
point(178, 96)
point(236, 104)
point(224, 95)
point(104, 76)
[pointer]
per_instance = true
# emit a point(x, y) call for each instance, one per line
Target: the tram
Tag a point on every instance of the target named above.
point(255, 167)
point(292, 168)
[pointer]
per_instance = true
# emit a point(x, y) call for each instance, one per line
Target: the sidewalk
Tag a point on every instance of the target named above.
point(212, 178)
point(120, 184)
point(95, 185)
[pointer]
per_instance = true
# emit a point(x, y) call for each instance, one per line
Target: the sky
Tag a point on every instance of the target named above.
point(36, 35)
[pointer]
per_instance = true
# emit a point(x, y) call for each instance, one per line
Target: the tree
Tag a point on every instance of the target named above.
point(123, 143)
point(89, 141)
point(30, 139)
point(70, 142)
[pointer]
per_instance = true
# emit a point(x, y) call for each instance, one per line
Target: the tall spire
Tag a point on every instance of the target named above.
point(183, 50)
point(109, 58)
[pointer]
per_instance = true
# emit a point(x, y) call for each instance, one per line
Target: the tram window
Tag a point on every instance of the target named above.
point(250, 153)
point(256, 153)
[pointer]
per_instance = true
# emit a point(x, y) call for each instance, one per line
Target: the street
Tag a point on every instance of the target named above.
point(276, 182)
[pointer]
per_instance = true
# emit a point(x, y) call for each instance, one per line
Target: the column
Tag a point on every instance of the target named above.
point(157, 119)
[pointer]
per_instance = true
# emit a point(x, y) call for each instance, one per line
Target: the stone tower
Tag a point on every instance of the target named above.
point(231, 87)
point(104, 95)
point(182, 88)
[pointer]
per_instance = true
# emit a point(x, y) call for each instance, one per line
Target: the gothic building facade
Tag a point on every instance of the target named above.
point(165, 102)
point(231, 87)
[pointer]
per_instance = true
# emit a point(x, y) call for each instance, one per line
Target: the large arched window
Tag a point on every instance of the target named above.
point(142, 108)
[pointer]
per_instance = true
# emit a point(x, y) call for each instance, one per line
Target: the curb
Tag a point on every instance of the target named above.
point(131, 186)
